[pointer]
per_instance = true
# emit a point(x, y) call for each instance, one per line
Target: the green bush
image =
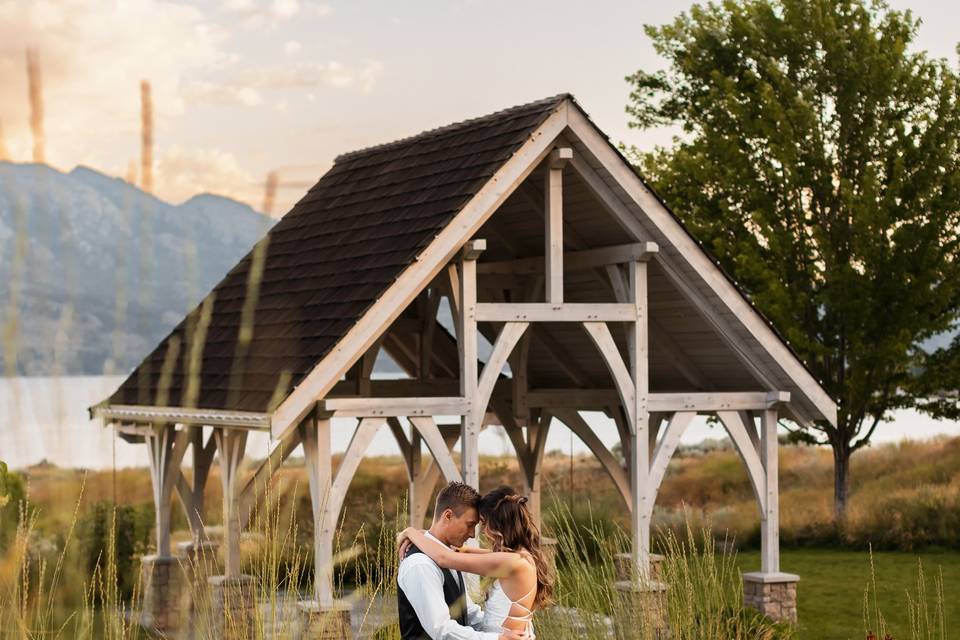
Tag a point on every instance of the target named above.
point(133, 527)
point(12, 495)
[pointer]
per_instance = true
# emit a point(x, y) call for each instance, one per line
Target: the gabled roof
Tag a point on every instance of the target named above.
point(373, 232)
point(326, 262)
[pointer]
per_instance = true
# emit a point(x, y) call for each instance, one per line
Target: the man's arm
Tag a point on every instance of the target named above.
point(422, 583)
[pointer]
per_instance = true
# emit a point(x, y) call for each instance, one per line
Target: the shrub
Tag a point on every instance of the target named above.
point(133, 525)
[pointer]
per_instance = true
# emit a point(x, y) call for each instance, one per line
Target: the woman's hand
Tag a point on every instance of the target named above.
point(403, 542)
point(507, 634)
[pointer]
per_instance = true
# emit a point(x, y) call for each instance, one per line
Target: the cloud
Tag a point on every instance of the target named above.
point(268, 14)
point(311, 75)
point(93, 54)
point(292, 47)
point(224, 94)
point(286, 8)
point(183, 173)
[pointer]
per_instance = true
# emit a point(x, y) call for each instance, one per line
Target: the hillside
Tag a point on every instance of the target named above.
point(94, 271)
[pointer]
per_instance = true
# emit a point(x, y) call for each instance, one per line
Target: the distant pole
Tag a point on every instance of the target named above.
point(35, 85)
point(4, 154)
point(146, 137)
point(270, 193)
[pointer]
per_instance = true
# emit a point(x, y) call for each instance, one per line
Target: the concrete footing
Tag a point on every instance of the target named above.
point(161, 582)
point(623, 566)
point(324, 622)
point(232, 605)
point(772, 594)
point(642, 610)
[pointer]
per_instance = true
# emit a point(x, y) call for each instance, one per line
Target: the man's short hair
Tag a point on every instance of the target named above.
point(458, 497)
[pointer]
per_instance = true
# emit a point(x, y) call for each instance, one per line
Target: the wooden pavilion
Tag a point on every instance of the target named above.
point(543, 240)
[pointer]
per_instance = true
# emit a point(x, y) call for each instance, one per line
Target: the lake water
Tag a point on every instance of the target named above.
point(46, 419)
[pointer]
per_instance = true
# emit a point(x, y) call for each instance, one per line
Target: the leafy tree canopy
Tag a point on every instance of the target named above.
point(818, 160)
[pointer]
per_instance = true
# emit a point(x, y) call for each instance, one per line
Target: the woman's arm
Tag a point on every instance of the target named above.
point(468, 549)
point(490, 564)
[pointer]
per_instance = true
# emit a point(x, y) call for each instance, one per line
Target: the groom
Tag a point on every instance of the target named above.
point(433, 602)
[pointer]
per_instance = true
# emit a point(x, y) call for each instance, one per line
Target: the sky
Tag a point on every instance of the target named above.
point(245, 87)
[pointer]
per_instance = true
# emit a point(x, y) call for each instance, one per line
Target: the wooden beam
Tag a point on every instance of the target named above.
point(405, 445)
point(352, 457)
point(434, 258)
point(546, 312)
point(435, 442)
point(600, 335)
point(582, 430)
point(663, 453)
point(191, 493)
point(509, 337)
point(467, 342)
point(184, 416)
point(166, 447)
point(318, 456)
point(717, 401)
point(770, 522)
point(553, 233)
point(430, 476)
point(471, 250)
point(658, 216)
point(256, 487)
point(748, 453)
point(638, 347)
point(398, 407)
point(427, 332)
point(573, 260)
point(598, 399)
point(231, 445)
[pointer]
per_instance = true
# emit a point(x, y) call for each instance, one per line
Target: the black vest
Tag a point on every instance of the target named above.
point(453, 595)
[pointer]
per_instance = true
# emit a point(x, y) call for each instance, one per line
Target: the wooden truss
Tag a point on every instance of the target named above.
point(447, 380)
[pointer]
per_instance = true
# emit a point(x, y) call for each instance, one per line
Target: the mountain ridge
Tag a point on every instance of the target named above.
point(94, 271)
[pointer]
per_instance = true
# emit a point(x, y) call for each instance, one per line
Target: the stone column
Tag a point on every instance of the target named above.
point(624, 566)
point(772, 594)
point(324, 622)
point(232, 604)
point(161, 582)
point(199, 561)
point(642, 611)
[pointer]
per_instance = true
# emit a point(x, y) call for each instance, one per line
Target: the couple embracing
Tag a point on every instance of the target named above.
point(432, 598)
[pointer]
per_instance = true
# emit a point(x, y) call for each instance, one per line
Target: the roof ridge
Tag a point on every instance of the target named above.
point(449, 128)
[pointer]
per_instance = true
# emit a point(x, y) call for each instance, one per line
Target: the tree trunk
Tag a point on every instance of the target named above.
point(841, 481)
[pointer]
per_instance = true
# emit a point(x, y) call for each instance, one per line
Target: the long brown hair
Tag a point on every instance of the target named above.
point(510, 527)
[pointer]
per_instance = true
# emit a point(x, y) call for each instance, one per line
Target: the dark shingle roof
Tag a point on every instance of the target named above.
point(329, 259)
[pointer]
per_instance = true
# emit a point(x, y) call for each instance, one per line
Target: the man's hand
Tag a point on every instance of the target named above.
point(507, 634)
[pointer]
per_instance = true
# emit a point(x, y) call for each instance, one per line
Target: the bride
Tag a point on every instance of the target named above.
point(523, 578)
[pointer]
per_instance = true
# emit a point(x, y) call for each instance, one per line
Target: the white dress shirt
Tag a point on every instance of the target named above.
point(422, 582)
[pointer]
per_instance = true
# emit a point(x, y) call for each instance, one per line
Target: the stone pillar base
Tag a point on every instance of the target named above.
point(232, 604)
point(202, 554)
point(199, 563)
point(642, 611)
point(623, 566)
point(161, 582)
point(772, 594)
point(324, 622)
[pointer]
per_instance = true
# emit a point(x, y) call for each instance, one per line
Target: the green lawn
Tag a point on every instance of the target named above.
point(832, 586)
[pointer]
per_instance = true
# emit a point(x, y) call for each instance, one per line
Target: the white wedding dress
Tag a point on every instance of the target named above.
point(497, 609)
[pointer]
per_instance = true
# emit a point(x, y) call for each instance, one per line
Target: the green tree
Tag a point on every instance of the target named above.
point(937, 384)
point(817, 159)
